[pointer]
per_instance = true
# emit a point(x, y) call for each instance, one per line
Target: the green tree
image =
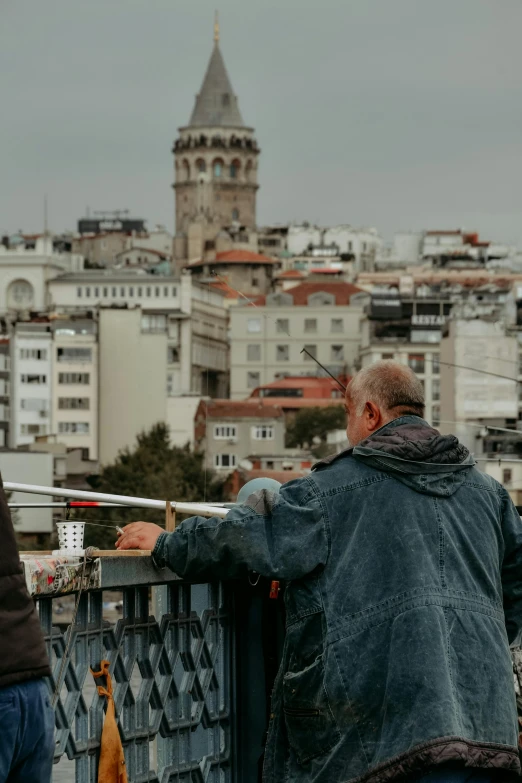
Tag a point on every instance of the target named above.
point(310, 427)
point(153, 469)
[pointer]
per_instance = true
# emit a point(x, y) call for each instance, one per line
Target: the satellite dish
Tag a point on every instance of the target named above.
point(246, 464)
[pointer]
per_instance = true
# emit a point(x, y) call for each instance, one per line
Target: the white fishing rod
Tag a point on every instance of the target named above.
point(201, 509)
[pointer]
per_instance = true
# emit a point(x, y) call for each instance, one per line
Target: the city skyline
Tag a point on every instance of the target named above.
point(403, 118)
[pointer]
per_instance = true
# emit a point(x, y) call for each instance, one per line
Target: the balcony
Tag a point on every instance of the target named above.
point(185, 662)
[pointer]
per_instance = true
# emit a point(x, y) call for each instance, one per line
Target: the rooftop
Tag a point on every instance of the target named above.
point(300, 293)
point(309, 387)
point(238, 409)
point(234, 257)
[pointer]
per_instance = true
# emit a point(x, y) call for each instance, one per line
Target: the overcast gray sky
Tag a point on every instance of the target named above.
point(402, 114)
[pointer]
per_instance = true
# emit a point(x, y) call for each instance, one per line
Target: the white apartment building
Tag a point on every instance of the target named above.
point(469, 397)
point(75, 385)
point(104, 288)
point(31, 382)
point(267, 340)
point(361, 244)
point(25, 274)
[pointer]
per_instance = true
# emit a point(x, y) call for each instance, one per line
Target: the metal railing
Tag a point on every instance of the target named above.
point(171, 655)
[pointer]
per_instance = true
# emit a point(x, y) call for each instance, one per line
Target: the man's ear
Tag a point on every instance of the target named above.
point(373, 417)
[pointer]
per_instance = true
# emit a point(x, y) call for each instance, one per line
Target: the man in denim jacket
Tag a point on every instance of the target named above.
point(404, 565)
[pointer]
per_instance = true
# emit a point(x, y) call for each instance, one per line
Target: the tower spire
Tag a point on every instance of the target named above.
point(216, 27)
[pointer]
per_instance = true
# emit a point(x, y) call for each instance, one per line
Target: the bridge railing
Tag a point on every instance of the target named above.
point(172, 653)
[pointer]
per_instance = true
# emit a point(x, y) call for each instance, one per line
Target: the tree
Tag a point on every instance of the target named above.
point(154, 469)
point(310, 427)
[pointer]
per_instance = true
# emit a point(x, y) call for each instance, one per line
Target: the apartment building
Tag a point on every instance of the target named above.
point(282, 334)
point(31, 381)
point(230, 432)
point(74, 413)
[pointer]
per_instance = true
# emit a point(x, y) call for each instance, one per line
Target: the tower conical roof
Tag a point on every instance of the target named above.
point(216, 104)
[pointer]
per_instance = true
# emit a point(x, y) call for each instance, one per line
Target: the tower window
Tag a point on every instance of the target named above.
point(201, 165)
point(225, 99)
point(218, 168)
point(235, 214)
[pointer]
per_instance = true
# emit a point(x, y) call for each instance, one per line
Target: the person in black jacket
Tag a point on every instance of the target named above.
point(26, 714)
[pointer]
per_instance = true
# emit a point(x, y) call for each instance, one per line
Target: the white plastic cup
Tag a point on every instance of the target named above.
point(70, 537)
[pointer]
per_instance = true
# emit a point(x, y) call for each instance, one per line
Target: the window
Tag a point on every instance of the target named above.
point(337, 325)
point(122, 290)
point(33, 429)
point(72, 378)
point(174, 291)
point(255, 282)
point(96, 292)
point(131, 291)
point(114, 291)
point(387, 357)
point(140, 291)
point(254, 325)
point(269, 464)
point(282, 325)
point(312, 349)
point(105, 292)
point(254, 353)
point(350, 245)
point(73, 403)
point(172, 354)
point(282, 353)
point(233, 174)
point(148, 291)
point(225, 461)
point(435, 415)
point(165, 291)
point(263, 432)
point(310, 325)
point(416, 362)
point(507, 476)
point(33, 404)
point(435, 363)
point(235, 214)
point(218, 168)
point(225, 432)
point(337, 353)
point(74, 355)
point(253, 380)
point(36, 379)
point(79, 292)
point(33, 353)
point(435, 389)
point(73, 427)
point(87, 292)
point(157, 291)
point(153, 323)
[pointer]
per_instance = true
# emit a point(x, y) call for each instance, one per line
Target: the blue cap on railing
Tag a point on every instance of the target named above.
point(255, 485)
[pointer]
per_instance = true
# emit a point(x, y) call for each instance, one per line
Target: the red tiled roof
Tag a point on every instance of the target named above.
point(236, 257)
point(240, 409)
point(342, 292)
point(289, 403)
point(326, 271)
point(229, 292)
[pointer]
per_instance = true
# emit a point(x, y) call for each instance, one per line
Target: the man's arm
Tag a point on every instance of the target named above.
point(512, 567)
point(279, 536)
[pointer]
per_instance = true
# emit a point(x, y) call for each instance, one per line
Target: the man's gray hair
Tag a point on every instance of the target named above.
point(393, 387)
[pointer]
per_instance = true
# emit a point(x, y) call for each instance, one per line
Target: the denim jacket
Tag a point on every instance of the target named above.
point(404, 564)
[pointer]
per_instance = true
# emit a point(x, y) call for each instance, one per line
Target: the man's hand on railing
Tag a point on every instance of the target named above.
point(139, 535)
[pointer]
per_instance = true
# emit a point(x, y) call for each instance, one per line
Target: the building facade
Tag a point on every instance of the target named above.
point(283, 332)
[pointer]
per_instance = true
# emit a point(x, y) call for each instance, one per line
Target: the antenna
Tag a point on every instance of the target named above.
point(343, 387)
point(46, 227)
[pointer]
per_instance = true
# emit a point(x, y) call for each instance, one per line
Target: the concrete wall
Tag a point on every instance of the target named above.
point(133, 379)
point(29, 468)
point(180, 419)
